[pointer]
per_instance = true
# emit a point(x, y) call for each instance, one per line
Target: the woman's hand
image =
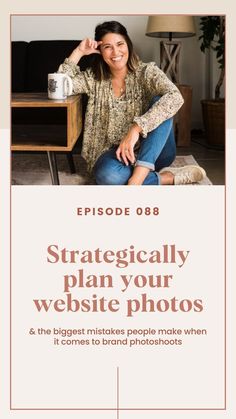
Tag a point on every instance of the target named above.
point(89, 46)
point(125, 150)
point(86, 47)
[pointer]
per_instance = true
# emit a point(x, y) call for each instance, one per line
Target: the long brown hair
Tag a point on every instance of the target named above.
point(100, 67)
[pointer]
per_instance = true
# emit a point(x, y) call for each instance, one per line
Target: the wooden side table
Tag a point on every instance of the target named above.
point(182, 119)
point(46, 137)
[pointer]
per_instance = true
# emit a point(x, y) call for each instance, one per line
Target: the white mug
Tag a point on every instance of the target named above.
point(59, 86)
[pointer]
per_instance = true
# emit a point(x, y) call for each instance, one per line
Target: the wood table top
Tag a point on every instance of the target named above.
point(40, 99)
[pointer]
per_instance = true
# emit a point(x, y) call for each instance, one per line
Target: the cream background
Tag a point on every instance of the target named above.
point(198, 7)
point(188, 376)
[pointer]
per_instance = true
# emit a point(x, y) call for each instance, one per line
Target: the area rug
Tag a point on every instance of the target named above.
point(33, 169)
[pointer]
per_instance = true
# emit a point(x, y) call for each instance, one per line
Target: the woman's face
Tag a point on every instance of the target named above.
point(114, 50)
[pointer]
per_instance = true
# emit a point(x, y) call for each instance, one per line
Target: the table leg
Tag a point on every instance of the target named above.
point(71, 162)
point(53, 167)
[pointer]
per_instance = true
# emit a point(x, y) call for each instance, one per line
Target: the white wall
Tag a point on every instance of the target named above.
point(29, 28)
point(192, 61)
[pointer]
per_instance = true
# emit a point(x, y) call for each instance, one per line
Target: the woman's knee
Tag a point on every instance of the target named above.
point(154, 100)
point(109, 171)
point(105, 176)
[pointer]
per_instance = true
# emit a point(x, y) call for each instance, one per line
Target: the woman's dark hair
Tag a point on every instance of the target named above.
point(100, 67)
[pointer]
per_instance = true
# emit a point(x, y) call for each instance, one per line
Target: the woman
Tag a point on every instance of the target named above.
point(128, 133)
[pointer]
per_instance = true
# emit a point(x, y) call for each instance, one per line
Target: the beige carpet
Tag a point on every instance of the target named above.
point(33, 169)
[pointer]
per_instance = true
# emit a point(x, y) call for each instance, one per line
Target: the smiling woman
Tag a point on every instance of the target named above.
point(128, 133)
point(115, 54)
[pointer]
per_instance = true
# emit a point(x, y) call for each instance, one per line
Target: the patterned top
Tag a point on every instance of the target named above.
point(108, 118)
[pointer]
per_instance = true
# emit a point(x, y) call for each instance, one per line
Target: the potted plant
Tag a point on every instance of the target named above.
point(212, 37)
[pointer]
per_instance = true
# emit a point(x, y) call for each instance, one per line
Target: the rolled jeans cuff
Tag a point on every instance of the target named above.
point(146, 164)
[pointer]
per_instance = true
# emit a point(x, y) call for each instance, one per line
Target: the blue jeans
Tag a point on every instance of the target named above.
point(156, 151)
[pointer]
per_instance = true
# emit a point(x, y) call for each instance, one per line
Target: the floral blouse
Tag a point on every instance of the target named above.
point(108, 118)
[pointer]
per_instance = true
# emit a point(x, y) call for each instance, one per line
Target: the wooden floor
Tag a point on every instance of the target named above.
point(212, 160)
